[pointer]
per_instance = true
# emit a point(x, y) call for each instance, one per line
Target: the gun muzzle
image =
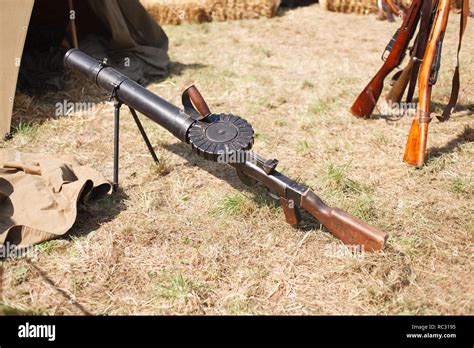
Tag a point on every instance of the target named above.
point(130, 93)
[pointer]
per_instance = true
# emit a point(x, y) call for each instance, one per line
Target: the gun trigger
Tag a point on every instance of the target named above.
point(292, 213)
point(273, 196)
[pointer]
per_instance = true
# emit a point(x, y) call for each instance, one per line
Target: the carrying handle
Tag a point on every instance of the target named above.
point(194, 104)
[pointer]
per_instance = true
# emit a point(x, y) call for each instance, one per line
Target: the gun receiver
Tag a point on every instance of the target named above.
point(225, 138)
point(365, 103)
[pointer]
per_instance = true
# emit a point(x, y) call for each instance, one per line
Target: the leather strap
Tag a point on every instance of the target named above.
point(188, 104)
point(456, 83)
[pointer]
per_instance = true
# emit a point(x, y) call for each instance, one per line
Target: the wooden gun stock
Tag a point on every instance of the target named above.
point(349, 229)
point(415, 148)
point(365, 103)
point(416, 143)
point(396, 92)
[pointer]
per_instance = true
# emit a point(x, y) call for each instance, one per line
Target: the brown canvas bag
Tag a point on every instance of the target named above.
point(39, 195)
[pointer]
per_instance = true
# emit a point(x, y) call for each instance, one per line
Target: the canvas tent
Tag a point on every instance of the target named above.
point(14, 16)
point(36, 33)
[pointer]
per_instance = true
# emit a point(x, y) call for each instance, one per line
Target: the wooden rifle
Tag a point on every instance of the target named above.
point(365, 103)
point(416, 144)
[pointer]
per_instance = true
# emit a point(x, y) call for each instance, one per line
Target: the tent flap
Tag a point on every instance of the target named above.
point(14, 16)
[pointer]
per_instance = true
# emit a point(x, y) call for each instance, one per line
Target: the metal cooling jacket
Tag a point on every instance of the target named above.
point(131, 93)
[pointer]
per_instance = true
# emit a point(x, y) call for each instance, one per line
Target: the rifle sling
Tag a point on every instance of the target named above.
point(456, 83)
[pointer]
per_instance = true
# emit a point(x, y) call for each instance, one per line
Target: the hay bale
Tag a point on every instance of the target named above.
point(176, 12)
point(350, 6)
point(198, 11)
point(220, 10)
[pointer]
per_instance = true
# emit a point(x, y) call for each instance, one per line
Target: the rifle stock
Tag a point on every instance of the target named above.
point(395, 94)
point(415, 148)
point(349, 229)
point(364, 104)
point(416, 143)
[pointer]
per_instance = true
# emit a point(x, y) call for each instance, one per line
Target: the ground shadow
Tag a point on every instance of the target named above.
point(177, 69)
point(92, 216)
point(219, 170)
point(288, 5)
point(466, 136)
point(258, 193)
point(436, 108)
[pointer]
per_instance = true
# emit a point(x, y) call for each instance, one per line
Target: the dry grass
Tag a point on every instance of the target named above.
point(179, 239)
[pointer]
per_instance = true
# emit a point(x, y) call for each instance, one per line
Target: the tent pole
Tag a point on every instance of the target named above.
point(72, 24)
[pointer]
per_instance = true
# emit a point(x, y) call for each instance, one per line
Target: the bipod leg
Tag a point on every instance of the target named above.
point(144, 135)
